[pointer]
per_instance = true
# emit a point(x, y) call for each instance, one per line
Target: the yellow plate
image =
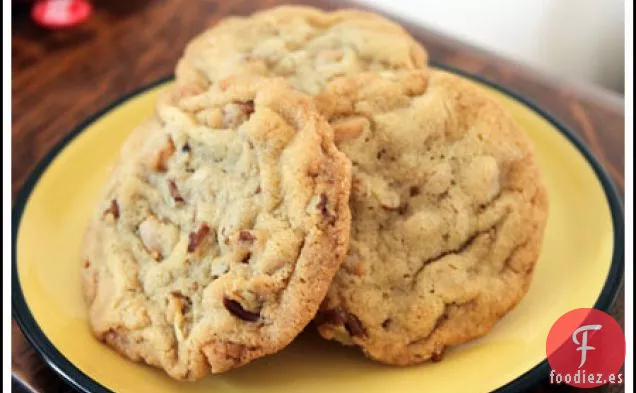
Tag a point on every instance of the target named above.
point(581, 265)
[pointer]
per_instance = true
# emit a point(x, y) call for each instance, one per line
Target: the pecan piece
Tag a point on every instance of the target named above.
point(246, 236)
point(437, 355)
point(113, 210)
point(322, 205)
point(195, 238)
point(235, 308)
point(183, 303)
point(160, 158)
point(246, 258)
point(247, 107)
point(174, 191)
point(354, 326)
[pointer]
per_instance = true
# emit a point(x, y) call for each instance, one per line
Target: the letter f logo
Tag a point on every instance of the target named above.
point(584, 347)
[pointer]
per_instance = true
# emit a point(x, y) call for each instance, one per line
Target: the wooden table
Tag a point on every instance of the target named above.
point(60, 78)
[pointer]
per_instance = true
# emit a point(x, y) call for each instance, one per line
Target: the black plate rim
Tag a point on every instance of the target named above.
point(83, 383)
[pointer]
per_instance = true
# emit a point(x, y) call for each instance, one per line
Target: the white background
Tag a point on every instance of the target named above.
point(581, 40)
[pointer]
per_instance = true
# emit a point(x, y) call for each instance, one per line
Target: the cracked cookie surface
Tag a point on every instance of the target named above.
point(219, 229)
point(448, 209)
point(306, 46)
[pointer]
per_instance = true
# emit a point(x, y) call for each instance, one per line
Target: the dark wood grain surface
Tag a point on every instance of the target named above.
point(60, 78)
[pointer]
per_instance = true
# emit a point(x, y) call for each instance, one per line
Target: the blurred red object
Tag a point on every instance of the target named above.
point(55, 14)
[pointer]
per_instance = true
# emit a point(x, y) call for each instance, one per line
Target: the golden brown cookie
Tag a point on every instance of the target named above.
point(219, 230)
point(304, 45)
point(448, 209)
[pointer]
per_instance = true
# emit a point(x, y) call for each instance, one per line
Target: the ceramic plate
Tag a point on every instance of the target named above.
point(581, 265)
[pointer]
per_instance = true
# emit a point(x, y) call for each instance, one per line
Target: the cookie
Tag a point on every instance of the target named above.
point(219, 230)
point(304, 45)
point(448, 209)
